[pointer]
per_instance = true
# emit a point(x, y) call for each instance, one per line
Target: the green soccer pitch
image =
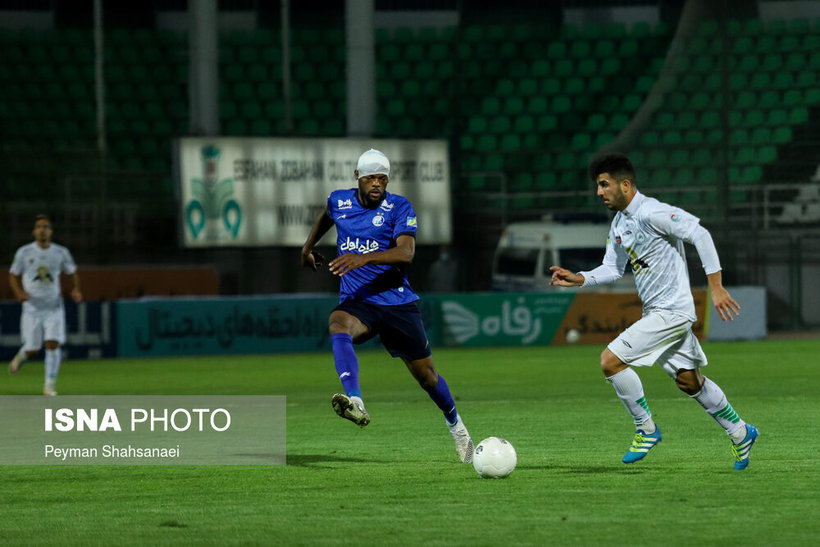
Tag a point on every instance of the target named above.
point(399, 481)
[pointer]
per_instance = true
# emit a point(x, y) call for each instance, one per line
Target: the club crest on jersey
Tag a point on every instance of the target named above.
point(675, 217)
point(411, 221)
point(618, 240)
point(345, 204)
point(378, 220)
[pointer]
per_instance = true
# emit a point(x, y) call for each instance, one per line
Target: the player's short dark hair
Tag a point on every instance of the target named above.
point(617, 165)
point(40, 217)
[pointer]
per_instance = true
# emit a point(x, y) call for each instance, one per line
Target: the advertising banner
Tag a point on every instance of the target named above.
point(214, 326)
point(89, 330)
point(600, 317)
point(502, 319)
point(269, 191)
point(143, 430)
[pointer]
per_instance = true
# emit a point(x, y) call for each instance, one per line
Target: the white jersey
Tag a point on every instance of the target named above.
point(41, 269)
point(649, 236)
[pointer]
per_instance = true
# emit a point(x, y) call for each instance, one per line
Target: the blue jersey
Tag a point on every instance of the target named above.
point(361, 230)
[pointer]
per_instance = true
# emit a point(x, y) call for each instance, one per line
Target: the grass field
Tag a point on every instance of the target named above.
point(399, 481)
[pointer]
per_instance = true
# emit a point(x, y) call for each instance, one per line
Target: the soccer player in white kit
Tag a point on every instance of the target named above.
point(649, 236)
point(38, 266)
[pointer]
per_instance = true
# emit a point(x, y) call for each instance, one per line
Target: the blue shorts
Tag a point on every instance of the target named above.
point(400, 328)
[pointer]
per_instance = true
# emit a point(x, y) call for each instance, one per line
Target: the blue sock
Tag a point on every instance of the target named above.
point(347, 364)
point(441, 396)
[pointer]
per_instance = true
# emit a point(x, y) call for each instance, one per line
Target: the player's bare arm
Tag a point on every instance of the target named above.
point(402, 253)
point(722, 300)
point(76, 294)
point(561, 277)
point(17, 288)
point(310, 258)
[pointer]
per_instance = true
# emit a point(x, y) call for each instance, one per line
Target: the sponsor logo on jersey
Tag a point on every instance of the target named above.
point(378, 220)
point(675, 218)
point(411, 221)
point(386, 206)
point(344, 204)
point(361, 247)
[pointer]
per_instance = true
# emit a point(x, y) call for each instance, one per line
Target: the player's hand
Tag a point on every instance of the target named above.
point(346, 262)
point(76, 295)
point(725, 304)
point(561, 277)
point(22, 296)
point(312, 259)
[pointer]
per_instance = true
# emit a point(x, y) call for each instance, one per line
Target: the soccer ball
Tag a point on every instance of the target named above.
point(494, 458)
point(573, 336)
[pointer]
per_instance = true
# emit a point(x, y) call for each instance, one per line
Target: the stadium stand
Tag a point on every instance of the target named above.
point(524, 108)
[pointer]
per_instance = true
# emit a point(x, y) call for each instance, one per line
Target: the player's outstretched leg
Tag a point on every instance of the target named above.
point(17, 361)
point(713, 400)
point(351, 408)
point(464, 443)
point(743, 449)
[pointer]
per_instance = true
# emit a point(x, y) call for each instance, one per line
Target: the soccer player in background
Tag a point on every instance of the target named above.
point(649, 236)
point(375, 243)
point(34, 278)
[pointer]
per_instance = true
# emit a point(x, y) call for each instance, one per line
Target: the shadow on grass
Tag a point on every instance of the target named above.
point(317, 460)
point(586, 469)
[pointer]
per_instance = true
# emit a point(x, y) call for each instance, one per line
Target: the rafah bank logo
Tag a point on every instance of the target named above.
point(212, 198)
point(515, 321)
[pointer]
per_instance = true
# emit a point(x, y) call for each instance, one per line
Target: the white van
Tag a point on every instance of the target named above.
point(526, 250)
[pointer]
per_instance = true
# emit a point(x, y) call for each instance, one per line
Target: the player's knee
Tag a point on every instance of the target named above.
point(688, 381)
point(610, 365)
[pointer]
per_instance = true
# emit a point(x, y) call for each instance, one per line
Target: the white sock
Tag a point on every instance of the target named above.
point(628, 386)
point(714, 402)
point(52, 366)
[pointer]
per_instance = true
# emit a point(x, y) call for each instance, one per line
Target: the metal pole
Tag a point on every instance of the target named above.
point(99, 79)
point(99, 90)
point(285, 4)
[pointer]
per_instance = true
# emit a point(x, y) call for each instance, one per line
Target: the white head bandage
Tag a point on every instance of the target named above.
point(373, 162)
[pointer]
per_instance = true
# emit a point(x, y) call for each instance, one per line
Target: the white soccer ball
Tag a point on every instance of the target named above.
point(494, 458)
point(573, 336)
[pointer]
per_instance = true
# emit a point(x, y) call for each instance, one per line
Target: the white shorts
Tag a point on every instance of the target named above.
point(663, 338)
point(38, 326)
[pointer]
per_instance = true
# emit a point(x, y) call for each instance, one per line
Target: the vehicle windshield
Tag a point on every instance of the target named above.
point(513, 261)
point(578, 259)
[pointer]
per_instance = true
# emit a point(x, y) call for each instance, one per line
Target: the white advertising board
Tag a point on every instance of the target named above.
point(237, 192)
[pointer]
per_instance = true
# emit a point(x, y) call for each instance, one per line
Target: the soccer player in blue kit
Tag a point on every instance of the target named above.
point(375, 242)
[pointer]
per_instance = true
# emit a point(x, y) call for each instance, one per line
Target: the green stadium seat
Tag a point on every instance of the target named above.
point(546, 123)
point(761, 135)
point(550, 86)
point(783, 80)
point(557, 50)
point(510, 142)
point(798, 115)
point(782, 135)
point(500, 124)
point(777, 117)
point(525, 126)
point(746, 100)
point(766, 154)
